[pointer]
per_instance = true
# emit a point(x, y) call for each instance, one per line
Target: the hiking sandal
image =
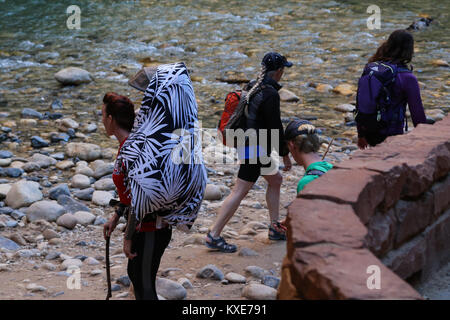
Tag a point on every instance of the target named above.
point(219, 244)
point(277, 231)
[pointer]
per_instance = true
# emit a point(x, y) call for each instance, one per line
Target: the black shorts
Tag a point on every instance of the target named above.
point(251, 171)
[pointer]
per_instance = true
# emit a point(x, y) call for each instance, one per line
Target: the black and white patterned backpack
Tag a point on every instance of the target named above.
point(162, 156)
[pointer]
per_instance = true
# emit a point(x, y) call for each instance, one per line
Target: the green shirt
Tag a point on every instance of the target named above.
point(320, 165)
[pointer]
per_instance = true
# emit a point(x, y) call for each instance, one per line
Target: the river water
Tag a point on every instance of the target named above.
point(328, 42)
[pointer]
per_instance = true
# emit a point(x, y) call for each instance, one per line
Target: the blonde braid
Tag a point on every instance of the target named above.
point(259, 80)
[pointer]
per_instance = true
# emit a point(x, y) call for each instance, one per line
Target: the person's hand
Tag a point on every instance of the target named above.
point(109, 227)
point(362, 143)
point(287, 163)
point(127, 249)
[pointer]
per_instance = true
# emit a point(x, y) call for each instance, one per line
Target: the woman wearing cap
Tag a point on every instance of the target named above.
point(162, 186)
point(263, 113)
point(304, 143)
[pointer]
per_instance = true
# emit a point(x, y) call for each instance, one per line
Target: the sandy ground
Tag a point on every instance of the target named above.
point(188, 259)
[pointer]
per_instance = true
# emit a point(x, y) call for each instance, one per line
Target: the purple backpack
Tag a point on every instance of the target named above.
point(374, 110)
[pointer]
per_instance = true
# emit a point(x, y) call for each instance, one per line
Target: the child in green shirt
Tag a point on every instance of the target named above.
point(304, 143)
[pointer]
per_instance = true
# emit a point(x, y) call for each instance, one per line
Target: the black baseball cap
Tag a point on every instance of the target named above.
point(294, 128)
point(274, 61)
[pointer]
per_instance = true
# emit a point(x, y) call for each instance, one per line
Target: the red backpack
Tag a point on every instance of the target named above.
point(231, 103)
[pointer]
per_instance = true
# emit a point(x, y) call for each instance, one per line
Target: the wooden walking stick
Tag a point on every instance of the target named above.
point(329, 145)
point(108, 273)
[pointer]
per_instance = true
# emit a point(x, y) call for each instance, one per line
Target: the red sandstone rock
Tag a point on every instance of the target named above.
point(330, 272)
point(441, 191)
point(287, 289)
point(319, 221)
point(413, 217)
point(437, 239)
point(408, 259)
point(393, 172)
point(363, 189)
point(381, 232)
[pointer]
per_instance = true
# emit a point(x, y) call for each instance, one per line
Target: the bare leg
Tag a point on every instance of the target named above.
point(273, 195)
point(230, 205)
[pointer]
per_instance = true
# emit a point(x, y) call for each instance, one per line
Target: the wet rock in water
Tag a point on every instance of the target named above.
point(8, 244)
point(5, 154)
point(321, 87)
point(84, 218)
point(422, 23)
point(58, 190)
point(50, 234)
point(31, 166)
point(28, 122)
point(288, 96)
point(235, 278)
point(28, 113)
point(101, 198)
point(89, 128)
point(345, 89)
point(210, 272)
point(42, 160)
point(170, 289)
point(23, 193)
point(73, 76)
point(3, 101)
point(435, 114)
point(83, 151)
point(46, 210)
point(247, 252)
point(57, 104)
point(71, 205)
point(349, 116)
point(53, 116)
point(213, 192)
point(84, 194)
point(439, 63)
point(255, 271)
point(103, 170)
point(256, 291)
point(38, 142)
point(99, 221)
point(105, 184)
point(124, 280)
point(70, 263)
point(13, 172)
point(80, 181)
point(271, 281)
point(345, 107)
